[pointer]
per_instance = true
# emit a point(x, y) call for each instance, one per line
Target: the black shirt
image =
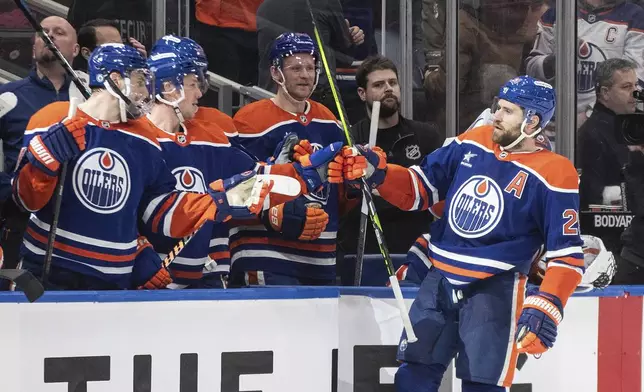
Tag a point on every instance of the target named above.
point(600, 157)
point(406, 144)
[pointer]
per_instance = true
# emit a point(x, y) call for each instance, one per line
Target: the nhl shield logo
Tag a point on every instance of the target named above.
point(189, 179)
point(412, 152)
point(101, 180)
point(303, 119)
point(476, 208)
point(181, 138)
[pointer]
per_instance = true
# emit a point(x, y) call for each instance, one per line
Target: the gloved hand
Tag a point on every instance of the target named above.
point(148, 273)
point(297, 219)
point(537, 327)
point(321, 166)
point(367, 162)
point(291, 149)
point(240, 196)
point(62, 142)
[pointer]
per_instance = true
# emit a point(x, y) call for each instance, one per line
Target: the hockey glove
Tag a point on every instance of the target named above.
point(367, 162)
point(297, 220)
point(239, 197)
point(284, 150)
point(537, 327)
point(321, 166)
point(61, 143)
point(148, 272)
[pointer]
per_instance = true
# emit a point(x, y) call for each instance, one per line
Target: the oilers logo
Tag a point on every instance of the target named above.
point(101, 180)
point(476, 207)
point(189, 179)
point(589, 56)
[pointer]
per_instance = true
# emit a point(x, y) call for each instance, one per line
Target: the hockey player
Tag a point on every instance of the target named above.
point(116, 178)
point(281, 252)
point(504, 198)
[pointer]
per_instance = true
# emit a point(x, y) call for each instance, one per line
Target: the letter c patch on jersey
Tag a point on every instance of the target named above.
point(516, 186)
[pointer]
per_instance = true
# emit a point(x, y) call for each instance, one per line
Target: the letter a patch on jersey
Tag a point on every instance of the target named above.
point(517, 184)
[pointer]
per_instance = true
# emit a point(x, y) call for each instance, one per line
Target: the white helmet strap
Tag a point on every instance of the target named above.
point(523, 135)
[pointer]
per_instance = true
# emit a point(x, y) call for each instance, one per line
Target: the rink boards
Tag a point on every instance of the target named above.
point(277, 340)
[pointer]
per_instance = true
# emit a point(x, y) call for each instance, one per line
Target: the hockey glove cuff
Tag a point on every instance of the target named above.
point(61, 143)
point(314, 168)
point(239, 197)
point(296, 220)
point(537, 327)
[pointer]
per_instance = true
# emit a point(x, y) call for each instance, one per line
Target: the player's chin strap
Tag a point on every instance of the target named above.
point(282, 84)
point(127, 108)
point(175, 104)
point(523, 135)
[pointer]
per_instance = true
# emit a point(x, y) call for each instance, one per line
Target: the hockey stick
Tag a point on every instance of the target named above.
point(364, 210)
point(282, 185)
point(366, 193)
point(58, 191)
point(25, 282)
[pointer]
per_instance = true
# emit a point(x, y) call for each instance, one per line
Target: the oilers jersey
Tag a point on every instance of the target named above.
point(498, 209)
point(119, 179)
point(261, 126)
point(196, 157)
point(610, 32)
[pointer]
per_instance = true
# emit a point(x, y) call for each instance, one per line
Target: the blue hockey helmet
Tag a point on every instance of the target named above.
point(288, 44)
point(185, 47)
point(168, 66)
point(109, 58)
point(533, 96)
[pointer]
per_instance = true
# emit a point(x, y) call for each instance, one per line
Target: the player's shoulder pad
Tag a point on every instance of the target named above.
point(141, 128)
point(555, 171)
point(321, 112)
point(207, 132)
point(259, 118)
point(212, 115)
point(479, 136)
point(48, 115)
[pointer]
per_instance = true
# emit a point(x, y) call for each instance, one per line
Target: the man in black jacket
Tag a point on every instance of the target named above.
point(405, 141)
point(601, 157)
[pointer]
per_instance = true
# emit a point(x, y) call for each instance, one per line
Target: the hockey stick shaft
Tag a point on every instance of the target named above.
point(366, 190)
point(364, 210)
point(52, 47)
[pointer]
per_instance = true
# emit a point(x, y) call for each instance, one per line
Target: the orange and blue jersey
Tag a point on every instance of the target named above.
point(197, 156)
point(498, 209)
point(262, 125)
point(119, 181)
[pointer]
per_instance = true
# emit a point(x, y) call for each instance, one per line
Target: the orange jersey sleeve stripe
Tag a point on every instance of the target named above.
point(399, 188)
point(422, 241)
point(561, 282)
point(459, 271)
point(286, 244)
point(219, 255)
point(191, 212)
point(186, 274)
point(164, 207)
point(520, 295)
point(34, 188)
point(82, 252)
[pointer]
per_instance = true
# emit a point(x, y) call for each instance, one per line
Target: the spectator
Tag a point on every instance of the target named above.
point(600, 156)
point(492, 35)
point(47, 82)
point(98, 32)
point(630, 263)
point(606, 29)
point(275, 17)
point(404, 141)
point(134, 17)
point(229, 27)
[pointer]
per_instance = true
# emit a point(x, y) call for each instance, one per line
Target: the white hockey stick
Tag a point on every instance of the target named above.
point(282, 185)
point(364, 211)
point(8, 102)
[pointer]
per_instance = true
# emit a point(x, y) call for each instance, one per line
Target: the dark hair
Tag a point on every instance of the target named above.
point(87, 39)
point(606, 69)
point(373, 63)
point(87, 32)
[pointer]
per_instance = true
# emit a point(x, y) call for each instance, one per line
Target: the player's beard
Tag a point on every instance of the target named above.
point(388, 107)
point(46, 57)
point(505, 137)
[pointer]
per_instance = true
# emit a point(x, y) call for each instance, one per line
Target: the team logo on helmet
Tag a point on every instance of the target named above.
point(589, 56)
point(189, 179)
point(101, 180)
point(476, 208)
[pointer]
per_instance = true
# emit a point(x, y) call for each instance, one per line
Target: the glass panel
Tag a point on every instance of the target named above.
point(494, 37)
point(608, 72)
